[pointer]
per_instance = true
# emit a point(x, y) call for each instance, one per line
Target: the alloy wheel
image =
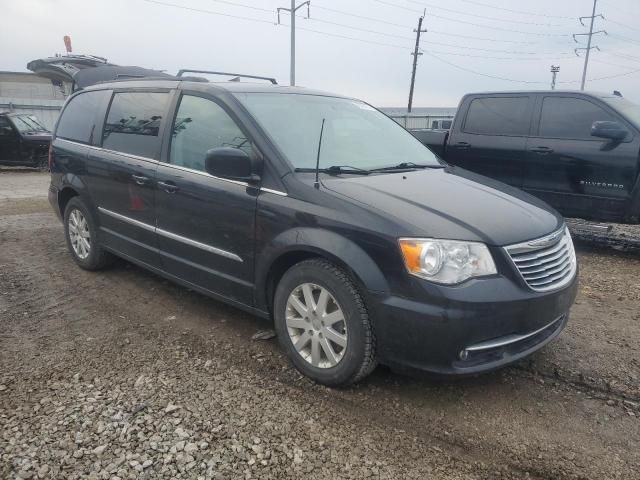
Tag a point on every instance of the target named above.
point(79, 234)
point(316, 325)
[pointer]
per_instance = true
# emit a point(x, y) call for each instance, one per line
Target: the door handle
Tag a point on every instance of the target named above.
point(140, 179)
point(168, 186)
point(542, 150)
point(462, 146)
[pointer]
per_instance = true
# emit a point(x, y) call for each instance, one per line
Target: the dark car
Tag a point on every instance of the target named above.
point(577, 151)
point(381, 254)
point(24, 141)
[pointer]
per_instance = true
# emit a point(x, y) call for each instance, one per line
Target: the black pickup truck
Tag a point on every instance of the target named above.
point(578, 151)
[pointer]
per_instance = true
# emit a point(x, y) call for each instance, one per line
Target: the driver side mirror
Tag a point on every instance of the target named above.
point(232, 164)
point(609, 130)
point(5, 131)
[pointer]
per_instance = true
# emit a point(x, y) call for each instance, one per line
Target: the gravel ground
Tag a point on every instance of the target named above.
point(120, 374)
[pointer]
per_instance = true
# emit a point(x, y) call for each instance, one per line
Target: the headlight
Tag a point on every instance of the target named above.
point(446, 261)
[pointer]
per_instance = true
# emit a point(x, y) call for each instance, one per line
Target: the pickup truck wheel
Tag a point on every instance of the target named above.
point(42, 163)
point(323, 325)
point(81, 234)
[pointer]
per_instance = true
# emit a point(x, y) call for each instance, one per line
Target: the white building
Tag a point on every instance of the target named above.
point(23, 92)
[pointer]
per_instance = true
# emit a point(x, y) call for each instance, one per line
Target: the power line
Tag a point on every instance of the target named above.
point(515, 11)
point(622, 37)
point(235, 4)
point(459, 67)
point(386, 22)
point(621, 55)
point(635, 29)
point(539, 34)
point(482, 16)
point(371, 19)
point(464, 47)
point(530, 82)
point(597, 60)
point(481, 38)
point(209, 12)
point(403, 47)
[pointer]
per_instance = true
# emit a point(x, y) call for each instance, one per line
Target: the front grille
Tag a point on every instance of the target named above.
point(546, 263)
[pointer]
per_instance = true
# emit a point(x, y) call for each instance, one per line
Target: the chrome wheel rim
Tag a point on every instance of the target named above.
point(79, 234)
point(316, 325)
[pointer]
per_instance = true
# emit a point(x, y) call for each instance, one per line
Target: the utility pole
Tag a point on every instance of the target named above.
point(554, 72)
point(415, 54)
point(292, 11)
point(590, 35)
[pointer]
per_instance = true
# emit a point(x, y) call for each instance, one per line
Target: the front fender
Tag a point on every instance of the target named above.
point(322, 242)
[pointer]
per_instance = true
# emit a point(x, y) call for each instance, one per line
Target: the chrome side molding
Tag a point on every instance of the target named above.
point(171, 235)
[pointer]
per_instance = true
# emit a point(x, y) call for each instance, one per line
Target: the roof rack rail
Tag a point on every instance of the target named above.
point(240, 75)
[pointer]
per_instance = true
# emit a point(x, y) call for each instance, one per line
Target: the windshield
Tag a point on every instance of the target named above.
point(27, 123)
point(629, 110)
point(355, 134)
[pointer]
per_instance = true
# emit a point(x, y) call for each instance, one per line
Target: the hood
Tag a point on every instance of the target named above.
point(452, 203)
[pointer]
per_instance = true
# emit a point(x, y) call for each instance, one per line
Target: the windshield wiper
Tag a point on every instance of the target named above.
point(337, 169)
point(405, 166)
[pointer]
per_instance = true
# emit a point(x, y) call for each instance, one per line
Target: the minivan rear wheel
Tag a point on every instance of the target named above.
point(323, 324)
point(81, 233)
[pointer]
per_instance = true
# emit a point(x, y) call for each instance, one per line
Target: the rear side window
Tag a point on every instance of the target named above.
point(564, 117)
point(133, 123)
point(201, 125)
point(498, 116)
point(78, 120)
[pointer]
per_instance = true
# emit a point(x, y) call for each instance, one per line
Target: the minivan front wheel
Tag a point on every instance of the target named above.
point(323, 325)
point(81, 234)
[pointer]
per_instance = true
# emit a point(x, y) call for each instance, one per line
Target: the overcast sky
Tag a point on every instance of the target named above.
point(468, 42)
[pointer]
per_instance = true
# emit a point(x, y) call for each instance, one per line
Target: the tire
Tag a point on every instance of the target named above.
point(319, 336)
point(42, 163)
point(88, 254)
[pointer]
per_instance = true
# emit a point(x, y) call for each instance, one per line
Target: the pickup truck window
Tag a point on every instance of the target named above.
point(5, 127)
point(566, 117)
point(498, 116)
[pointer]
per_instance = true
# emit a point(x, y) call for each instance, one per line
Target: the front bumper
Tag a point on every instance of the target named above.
point(472, 328)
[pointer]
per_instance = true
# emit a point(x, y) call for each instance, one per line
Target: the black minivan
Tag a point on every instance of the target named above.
point(316, 211)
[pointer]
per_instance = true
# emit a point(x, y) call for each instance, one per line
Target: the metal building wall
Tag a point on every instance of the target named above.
point(23, 92)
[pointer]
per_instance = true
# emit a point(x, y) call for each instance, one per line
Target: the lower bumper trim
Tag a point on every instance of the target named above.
point(508, 340)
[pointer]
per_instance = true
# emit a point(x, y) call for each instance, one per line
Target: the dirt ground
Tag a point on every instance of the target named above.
point(120, 374)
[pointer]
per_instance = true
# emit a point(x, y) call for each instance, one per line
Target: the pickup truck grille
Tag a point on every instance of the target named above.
point(546, 263)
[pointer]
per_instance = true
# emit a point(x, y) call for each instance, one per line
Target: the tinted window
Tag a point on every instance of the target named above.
point(78, 121)
point(570, 117)
point(498, 116)
point(133, 123)
point(201, 125)
point(5, 127)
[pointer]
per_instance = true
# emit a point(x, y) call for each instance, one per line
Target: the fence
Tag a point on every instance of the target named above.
point(423, 121)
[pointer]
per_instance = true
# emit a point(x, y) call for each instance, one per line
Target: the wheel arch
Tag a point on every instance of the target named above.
point(72, 186)
point(296, 245)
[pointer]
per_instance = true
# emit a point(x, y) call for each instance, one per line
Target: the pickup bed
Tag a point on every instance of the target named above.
point(578, 151)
